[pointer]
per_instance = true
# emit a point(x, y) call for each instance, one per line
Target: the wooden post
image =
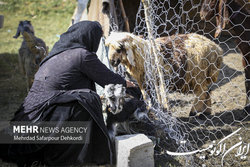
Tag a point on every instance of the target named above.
point(161, 93)
point(125, 18)
point(183, 18)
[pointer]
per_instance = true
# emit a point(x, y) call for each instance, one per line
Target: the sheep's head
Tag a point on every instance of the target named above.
point(120, 48)
point(114, 95)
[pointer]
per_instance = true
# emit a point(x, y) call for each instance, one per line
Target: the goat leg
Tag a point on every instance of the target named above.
point(202, 102)
point(245, 51)
point(247, 80)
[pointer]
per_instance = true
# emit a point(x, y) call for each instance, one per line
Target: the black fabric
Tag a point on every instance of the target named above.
point(76, 69)
point(84, 34)
point(76, 105)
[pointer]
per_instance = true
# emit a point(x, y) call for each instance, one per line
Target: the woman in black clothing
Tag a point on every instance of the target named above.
point(64, 90)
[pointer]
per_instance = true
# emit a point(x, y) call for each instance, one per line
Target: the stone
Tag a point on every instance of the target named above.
point(134, 150)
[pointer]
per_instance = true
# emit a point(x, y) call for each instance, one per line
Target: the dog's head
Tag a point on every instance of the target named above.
point(120, 48)
point(24, 26)
point(114, 95)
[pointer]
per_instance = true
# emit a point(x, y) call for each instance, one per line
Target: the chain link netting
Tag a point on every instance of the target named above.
point(221, 138)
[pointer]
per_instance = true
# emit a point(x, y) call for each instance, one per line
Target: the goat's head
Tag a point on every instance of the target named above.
point(24, 26)
point(218, 9)
point(114, 95)
point(120, 48)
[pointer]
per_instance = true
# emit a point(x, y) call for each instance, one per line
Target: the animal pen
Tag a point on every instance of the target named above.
point(219, 139)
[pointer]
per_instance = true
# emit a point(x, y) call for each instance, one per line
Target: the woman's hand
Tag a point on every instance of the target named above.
point(130, 84)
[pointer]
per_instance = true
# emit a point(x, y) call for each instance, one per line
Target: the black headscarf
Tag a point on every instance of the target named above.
point(84, 34)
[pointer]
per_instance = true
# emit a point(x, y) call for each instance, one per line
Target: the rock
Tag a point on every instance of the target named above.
point(134, 150)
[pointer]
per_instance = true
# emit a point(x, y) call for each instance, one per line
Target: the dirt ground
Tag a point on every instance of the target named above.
point(228, 101)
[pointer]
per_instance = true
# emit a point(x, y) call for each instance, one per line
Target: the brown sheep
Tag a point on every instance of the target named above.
point(236, 13)
point(195, 58)
point(31, 52)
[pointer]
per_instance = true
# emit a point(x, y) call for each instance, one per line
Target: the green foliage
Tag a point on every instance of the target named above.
point(38, 7)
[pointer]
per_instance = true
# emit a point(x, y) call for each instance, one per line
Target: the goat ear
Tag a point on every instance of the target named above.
point(123, 91)
point(130, 57)
point(127, 45)
point(223, 18)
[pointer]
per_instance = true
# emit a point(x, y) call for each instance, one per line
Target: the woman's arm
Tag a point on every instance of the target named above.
point(99, 73)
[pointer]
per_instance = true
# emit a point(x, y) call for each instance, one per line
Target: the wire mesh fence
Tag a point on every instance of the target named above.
point(204, 120)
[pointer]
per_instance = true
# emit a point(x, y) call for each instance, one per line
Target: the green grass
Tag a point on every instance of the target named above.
point(49, 18)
